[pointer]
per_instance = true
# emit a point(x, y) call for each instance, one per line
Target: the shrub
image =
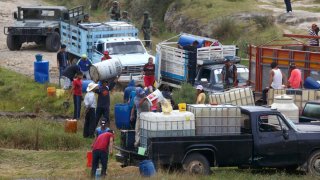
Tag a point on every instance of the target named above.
point(263, 21)
point(186, 94)
point(226, 28)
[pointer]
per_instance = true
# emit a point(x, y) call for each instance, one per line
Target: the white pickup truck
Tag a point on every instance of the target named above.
point(120, 39)
point(171, 62)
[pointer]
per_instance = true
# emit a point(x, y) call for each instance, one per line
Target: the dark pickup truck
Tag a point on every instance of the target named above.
point(267, 139)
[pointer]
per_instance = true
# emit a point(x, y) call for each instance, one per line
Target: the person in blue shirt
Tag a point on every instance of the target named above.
point(103, 128)
point(84, 64)
point(103, 105)
point(127, 91)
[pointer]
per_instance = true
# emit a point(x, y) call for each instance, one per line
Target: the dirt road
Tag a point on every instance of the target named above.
point(22, 61)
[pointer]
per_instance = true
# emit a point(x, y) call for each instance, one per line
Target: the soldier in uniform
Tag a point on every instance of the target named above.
point(114, 11)
point(146, 28)
point(125, 17)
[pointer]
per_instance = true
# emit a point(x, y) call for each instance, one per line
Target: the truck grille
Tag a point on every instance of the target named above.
point(132, 70)
point(26, 31)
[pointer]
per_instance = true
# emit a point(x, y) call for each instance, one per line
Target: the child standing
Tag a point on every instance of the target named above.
point(76, 90)
point(90, 104)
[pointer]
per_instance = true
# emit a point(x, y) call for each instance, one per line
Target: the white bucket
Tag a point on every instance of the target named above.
point(155, 97)
point(105, 70)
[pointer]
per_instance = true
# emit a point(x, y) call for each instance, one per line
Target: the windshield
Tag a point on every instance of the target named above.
point(39, 14)
point(132, 47)
point(243, 75)
point(311, 110)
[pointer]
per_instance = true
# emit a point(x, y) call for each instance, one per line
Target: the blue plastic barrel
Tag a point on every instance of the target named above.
point(311, 83)
point(146, 168)
point(38, 57)
point(85, 84)
point(122, 115)
point(185, 40)
point(41, 71)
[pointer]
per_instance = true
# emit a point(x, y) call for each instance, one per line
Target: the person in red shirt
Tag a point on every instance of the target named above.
point(294, 80)
point(76, 90)
point(148, 72)
point(105, 56)
point(101, 147)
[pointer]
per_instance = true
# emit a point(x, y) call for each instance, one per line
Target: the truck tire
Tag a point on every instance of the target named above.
point(196, 163)
point(314, 164)
point(53, 42)
point(13, 42)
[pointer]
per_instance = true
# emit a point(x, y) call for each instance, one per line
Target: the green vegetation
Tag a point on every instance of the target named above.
point(186, 94)
point(38, 134)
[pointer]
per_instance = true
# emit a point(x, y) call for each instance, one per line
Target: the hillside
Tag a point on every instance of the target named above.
point(231, 21)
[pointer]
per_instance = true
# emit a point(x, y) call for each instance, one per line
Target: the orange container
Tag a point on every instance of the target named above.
point(70, 126)
point(51, 91)
point(89, 158)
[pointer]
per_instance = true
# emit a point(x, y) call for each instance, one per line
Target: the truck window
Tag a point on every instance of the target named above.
point(205, 74)
point(311, 110)
point(271, 123)
point(131, 47)
point(100, 48)
point(245, 124)
point(243, 75)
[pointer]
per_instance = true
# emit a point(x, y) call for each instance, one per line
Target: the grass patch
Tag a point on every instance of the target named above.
point(39, 134)
point(186, 94)
point(72, 165)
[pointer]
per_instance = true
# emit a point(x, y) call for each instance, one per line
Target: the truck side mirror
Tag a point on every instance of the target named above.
point(15, 15)
point(285, 134)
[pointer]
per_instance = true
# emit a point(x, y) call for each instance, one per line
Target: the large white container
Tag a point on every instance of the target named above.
point(286, 106)
point(106, 69)
point(216, 120)
point(238, 96)
point(166, 125)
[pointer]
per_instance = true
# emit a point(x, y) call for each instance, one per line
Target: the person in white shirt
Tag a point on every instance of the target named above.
point(276, 78)
point(90, 104)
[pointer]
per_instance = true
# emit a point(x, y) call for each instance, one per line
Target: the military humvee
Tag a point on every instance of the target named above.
point(40, 24)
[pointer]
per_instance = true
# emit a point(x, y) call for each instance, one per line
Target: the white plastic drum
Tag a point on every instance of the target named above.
point(286, 106)
point(105, 70)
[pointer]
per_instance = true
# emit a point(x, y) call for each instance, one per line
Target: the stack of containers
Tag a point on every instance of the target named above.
point(300, 96)
point(216, 120)
point(239, 96)
point(163, 125)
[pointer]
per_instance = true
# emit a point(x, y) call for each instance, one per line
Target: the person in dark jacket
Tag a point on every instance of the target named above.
point(69, 74)
point(192, 60)
point(127, 91)
point(62, 60)
point(103, 105)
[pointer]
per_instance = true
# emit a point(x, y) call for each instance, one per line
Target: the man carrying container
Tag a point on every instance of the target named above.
point(62, 60)
point(84, 64)
point(101, 148)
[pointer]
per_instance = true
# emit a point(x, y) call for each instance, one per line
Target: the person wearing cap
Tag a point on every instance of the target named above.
point(90, 104)
point(103, 106)
point(114, 11)
point(192, 60)
point(62, 60)
point(76, 91)
point(124, 17)
point(140, 105)
point(84, 64)
point(106, 56)
point(201, 96)
point(295, 80)
point(103, 128)
point(313, 31)
point(146, 28)
point(229, 75)
point(101, 148)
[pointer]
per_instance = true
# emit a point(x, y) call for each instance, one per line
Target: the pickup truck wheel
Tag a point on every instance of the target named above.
point(196, 164)
point(53, 42)
point(314, 164)
point(13, 42)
